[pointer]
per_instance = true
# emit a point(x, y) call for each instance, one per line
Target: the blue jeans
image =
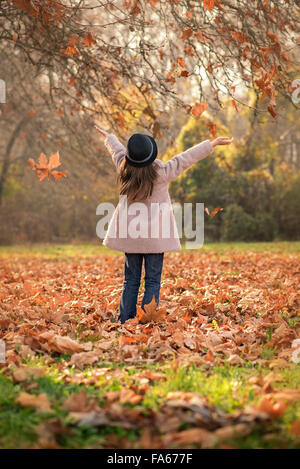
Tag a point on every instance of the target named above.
point(132, 280)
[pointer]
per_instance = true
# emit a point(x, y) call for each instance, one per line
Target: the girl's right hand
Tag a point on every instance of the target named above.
point(101, 131)
point(222, 141)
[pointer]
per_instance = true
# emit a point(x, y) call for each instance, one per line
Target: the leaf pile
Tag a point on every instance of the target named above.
point(213, 309)
point(231, 306)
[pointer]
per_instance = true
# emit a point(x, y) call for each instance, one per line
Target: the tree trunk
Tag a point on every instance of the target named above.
point(6, 160)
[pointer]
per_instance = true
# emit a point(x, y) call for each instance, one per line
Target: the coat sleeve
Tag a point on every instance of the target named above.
point(184, 160)
point(115, 148)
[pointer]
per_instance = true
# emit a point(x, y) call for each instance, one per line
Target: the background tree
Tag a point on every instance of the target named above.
point(89, 49)
point(139, 66)
point(254, 180)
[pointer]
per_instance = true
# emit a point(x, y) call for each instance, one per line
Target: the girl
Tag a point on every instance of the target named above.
point(144, 182)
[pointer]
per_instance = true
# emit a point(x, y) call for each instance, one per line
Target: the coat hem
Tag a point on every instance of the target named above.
point(140, 251)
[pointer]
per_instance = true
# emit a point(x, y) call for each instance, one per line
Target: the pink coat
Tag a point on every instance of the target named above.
point(143, 229)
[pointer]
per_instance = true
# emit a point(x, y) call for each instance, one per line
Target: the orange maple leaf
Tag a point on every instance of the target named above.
point(151, 312)
point(44, 169)
point(198, 108)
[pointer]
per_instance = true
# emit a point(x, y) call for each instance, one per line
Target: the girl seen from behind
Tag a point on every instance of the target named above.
point(143, 224)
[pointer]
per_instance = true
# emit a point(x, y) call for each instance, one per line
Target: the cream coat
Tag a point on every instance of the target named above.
point(149, 226)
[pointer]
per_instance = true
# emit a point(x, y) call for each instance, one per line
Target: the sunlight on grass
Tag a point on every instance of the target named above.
point(92, 250)
point(223, 386)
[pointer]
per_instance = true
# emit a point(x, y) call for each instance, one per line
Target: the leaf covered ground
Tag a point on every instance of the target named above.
point(212, 368)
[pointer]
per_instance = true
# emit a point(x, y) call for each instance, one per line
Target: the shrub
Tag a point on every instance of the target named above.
point(237, 224)
point(266, 227)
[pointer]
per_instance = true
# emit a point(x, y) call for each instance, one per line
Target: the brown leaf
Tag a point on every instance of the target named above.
point(25, 372)
point(188, 437)
point(77, 402)
point(271, 407)
point(54, 161)
point(61, 344)
point(44, 169)
point(85, 358)
point(209, 357)
point(41, 402)
point(295, 428)
point(198, 109)
point(151, 313)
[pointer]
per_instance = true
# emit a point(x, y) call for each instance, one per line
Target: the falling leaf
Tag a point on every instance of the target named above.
point(271, 109)
point(233, 102)
point(198, 108)
point(214, 212)
point(44, 169)
point(212, 128)
point(54, 161)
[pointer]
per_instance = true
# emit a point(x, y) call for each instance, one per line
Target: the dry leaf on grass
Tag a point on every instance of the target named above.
point(151, 313)
point(48, 430)
point(40, 402)
point(273, 408)
point(188, 437)
point(62, 344)
point(81, 359)
point(295, 428)
point(26, 372)
point(77, 402)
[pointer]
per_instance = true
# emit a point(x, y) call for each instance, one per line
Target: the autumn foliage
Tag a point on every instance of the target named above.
point(258, 40)
point(214, 310)
point(45, 169)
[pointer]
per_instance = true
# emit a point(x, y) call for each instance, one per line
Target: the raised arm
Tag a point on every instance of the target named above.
point(116, 149)
point(114, 146)
point(184, 160)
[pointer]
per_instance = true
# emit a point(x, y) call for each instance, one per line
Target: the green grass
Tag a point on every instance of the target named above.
point(56, 250)
point(91, 250)
point(225, 387)
point(236, 247)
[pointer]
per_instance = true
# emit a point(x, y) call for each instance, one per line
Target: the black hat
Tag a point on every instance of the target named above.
point(141, 150)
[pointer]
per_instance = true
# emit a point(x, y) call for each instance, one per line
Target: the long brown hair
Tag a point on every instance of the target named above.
point(136, 183)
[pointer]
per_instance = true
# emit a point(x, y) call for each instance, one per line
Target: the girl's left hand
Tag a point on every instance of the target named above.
point(222, 141)
point(101, 131)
